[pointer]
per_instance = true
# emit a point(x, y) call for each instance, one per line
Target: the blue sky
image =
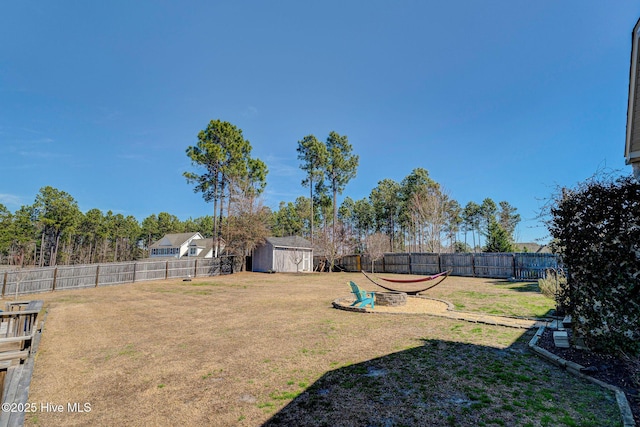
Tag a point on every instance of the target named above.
point(500, 99)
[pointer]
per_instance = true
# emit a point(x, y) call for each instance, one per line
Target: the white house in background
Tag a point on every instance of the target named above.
point(283, 255)
point(173, 245)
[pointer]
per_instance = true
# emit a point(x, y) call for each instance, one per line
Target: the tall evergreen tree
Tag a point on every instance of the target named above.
point(385, 199)
point(58, 213)
point(508, 219)
point(341, 167)
point(498, 239)
point(224, 157)
point(471, 219)
point(313, 155)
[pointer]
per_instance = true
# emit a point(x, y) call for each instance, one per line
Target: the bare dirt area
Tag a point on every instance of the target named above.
point(254, 349)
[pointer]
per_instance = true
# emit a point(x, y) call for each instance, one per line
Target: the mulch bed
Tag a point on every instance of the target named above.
point(608, 368)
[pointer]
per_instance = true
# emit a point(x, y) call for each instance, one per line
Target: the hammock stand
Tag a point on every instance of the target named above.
point(440, 276)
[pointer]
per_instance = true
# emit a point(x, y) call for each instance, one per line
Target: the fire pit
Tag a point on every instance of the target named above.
point(391, 299)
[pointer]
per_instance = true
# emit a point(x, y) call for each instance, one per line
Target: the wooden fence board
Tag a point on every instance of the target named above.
point(460, 264)
point(150, 270)
point(533, 266)
point(350, 262)
point(29, 281)
point(521, 266)
point(365, 262)
point(496, 265)
point(181, 268)
point(397, 263)
point(77, 276)
point(115, 274)
point(208, 267)
point(425, 264)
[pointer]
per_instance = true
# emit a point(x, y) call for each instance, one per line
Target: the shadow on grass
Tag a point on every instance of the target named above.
point(443, 383)
point(526, 287)
point(519, 286)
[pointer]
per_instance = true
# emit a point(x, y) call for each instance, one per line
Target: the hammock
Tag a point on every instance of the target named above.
point(440, 276)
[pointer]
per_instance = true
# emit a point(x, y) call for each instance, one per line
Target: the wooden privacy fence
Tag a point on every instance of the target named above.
point(520, 266)
point(47, 279)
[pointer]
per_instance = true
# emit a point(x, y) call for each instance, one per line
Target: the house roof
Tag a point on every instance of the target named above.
point(174, 240)
point(205, 244)
point(531, 247)
point(290, 242)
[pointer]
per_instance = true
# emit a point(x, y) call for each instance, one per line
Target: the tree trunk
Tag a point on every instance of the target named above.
point(311, 203)
point(41, 262)
point(219, 235)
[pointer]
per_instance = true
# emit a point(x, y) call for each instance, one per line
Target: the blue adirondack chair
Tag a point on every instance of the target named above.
point(363, 297)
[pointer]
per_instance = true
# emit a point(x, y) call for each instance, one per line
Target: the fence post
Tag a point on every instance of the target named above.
point(55, 277)
point(195, 268)
point(4, 282)
point(166, 270)
point(473, 265)
point(513, 260)
point(410, 263)
point(135, 266)
point(97, 274)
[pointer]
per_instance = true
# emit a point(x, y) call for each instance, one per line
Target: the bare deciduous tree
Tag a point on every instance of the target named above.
point(376, 243)
point(429, 208)
point(247, 224)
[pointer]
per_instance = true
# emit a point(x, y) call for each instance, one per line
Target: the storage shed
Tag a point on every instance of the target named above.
point(283, 255)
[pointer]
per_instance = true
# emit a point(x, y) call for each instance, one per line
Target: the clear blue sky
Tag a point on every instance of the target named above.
point(500, 99)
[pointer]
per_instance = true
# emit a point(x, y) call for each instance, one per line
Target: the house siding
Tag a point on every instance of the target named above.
point(281, 254)
point(263, 258)
point(284, 259)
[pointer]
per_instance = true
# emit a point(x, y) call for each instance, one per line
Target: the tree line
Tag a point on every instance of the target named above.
point(416, 214)
point(53, 231)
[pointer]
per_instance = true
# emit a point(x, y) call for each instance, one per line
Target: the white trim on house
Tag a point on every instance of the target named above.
point(173, 245)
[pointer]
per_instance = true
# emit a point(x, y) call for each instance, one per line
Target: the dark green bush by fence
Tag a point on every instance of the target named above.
point(597, 226)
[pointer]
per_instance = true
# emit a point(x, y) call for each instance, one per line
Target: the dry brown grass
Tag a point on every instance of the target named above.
point(235, 350)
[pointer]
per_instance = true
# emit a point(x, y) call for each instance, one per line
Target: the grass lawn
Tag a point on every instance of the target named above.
point(251, 349)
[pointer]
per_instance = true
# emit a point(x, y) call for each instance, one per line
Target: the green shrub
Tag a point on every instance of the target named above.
point(597, 227)
point(554, 286)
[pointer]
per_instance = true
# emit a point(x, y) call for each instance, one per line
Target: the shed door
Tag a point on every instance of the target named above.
point(306, 261)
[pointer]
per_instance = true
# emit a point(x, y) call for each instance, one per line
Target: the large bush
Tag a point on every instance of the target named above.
point(597, 227)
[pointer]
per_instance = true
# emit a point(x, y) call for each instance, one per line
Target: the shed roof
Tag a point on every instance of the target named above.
point(290, 242)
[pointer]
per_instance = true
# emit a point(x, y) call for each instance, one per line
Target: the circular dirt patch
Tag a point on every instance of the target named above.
point(414, 305)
